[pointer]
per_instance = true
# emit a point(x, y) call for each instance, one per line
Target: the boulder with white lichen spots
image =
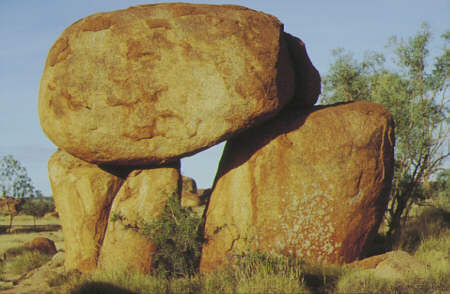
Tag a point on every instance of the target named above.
point(309, 183)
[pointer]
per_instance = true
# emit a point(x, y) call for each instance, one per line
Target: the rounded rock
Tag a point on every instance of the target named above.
point(154, 83)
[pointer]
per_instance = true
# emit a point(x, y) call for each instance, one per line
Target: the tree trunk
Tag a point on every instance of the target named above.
point(395, 222)
point(11, 217)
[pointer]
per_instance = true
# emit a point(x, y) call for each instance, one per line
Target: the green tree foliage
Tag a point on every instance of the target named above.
point(441, 186)
point(37, 207)
point(14, 180)
point(177, 233)
point(415, 93)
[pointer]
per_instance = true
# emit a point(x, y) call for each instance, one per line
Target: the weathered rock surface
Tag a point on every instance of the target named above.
point(392, 265)
point(43, 245)
point(191, 199)
point(190, 195)
point(307, 78)
point(309, 183)
point(188, 185)
point(83, 194)
point(35, 281)
point(154, 83)
point(141, 199)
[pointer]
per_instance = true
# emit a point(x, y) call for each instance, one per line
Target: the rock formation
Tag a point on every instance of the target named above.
point(391, 265)
point(190, 195)
point(83, 194)
point(188, 185)
point(310, 183)
point(132, 87)
point(43, 245)
point(140, 199)
point(126, 94)
point(307, 78)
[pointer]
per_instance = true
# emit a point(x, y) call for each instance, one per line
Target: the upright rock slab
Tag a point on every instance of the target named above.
point(154, 83)
point(83, 195)
point(309, 183)
point(141, 199)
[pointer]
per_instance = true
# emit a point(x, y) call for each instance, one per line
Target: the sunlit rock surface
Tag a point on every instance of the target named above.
point(309, 183)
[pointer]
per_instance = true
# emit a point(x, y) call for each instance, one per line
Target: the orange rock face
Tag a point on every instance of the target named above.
point(141, 198)
point(309, 183)
point(83, 195)
point(154, 83)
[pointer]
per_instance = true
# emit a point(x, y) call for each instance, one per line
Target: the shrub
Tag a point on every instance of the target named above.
point(178, 234)
point(430, 222)
point(15, 251)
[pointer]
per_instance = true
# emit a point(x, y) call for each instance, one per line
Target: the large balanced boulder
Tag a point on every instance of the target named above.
point(154, 83)
point(309, 183)
point(140, 200)
point(83, 194)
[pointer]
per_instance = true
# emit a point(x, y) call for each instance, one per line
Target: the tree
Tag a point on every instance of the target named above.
point(15, 183)
point(415, 94)
point(440, 187)
point(14, 180)
point(37, 207)
point(10, 206)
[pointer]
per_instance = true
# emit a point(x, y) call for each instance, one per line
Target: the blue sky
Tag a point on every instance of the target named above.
point(29, 28)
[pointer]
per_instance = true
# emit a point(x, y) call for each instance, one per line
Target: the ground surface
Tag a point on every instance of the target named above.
point(24, 230)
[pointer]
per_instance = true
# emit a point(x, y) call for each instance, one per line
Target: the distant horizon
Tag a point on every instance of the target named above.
point(28, 30)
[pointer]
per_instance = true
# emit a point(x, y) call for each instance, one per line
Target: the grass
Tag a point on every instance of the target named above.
point(430, 222)
point(11, 240)
point(27, 220)
point(426, 236)
point(226, 282)
point(433, 279)
point(257, 273)
point(25, 262)
point(20, 260)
